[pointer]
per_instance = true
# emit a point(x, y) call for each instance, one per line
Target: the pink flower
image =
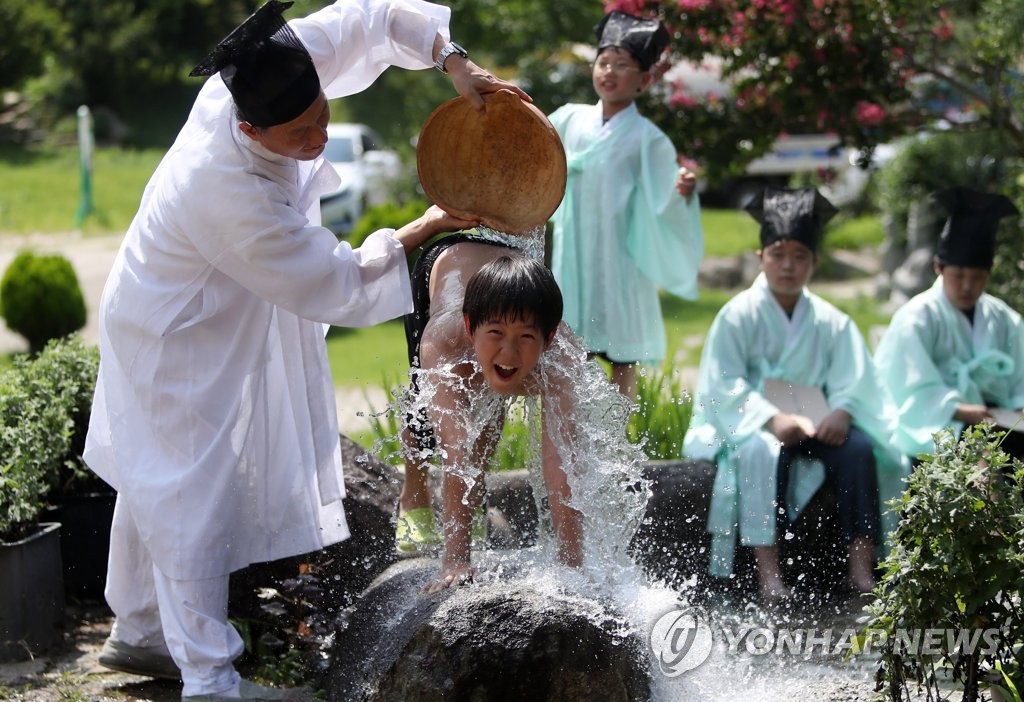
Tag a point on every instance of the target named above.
point(943, 31)
point(633, 7)
point(792, 61)
point(680, 98)
point(869, 114)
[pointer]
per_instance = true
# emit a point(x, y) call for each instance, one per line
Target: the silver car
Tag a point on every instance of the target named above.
point(367, 173)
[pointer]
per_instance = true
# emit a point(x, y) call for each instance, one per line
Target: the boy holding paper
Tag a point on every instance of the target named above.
point(954, 355)
point(768, 458)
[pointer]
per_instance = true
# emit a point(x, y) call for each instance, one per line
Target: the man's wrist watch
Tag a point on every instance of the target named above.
point(446, 51)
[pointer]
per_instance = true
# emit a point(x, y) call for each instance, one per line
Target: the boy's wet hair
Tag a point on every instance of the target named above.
point(513, 288)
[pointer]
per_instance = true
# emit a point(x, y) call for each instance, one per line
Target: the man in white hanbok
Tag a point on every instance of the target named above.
point(214, 415)
point(954, 351)
point(630, 221)
point(768, 458)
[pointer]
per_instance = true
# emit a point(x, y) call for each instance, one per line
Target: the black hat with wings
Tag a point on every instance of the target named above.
point(266, 67)
point(785, 213)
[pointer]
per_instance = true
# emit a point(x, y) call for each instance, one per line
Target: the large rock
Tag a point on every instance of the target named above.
point(673, 546)
point(343, 570)
point(492, 641)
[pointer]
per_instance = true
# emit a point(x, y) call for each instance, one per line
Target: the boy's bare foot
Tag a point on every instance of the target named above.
point(451, 577)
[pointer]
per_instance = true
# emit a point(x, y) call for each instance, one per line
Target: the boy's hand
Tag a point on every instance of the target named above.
point(686, 182)
point(834, 429)
point(451, 576)
point(790, 429)
point(971, 414)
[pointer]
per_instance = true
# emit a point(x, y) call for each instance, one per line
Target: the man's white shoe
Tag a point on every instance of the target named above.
point(257, 693)
point(152, 661)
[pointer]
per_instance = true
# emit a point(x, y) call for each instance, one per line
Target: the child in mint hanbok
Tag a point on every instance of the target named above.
point(768, 458)
point(954, 352)
point(629, 222)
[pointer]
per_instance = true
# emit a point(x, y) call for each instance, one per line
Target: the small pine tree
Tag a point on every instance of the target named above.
point(40, 298)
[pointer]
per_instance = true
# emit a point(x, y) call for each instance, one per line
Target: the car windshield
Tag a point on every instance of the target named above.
point(339, 149)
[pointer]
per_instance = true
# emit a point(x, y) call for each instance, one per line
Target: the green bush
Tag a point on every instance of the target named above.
point(64, 376)
point(386, 216)
point(40, 298)
point(44, 413)
point(663, 414)
point(955, 564)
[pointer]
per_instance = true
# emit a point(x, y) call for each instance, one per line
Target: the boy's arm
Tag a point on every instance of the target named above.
point(448, 410)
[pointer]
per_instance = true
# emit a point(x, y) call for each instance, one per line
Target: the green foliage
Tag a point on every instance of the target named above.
point(663, 413)
point(938, 160)
point(855, 233)
point(40, 298)
point(386, 216)
point(30, 438)
point(27, 28)
point(981, 160)
point(866, 70)
point(956, 559)
point(63, 378)
point(44, 413)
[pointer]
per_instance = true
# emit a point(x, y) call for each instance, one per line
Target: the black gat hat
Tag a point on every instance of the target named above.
point(266, 67)
point(644, 39)
point(786, 213)
point(968, 238)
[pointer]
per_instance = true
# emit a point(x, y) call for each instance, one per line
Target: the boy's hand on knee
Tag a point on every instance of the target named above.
point(451, 576)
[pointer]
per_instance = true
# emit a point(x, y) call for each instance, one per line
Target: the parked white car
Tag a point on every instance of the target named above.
point(367, 171)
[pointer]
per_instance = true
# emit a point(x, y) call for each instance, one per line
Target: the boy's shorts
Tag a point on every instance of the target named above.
point(416, 322)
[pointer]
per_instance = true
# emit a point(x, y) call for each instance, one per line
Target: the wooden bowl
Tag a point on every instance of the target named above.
point(505, 167)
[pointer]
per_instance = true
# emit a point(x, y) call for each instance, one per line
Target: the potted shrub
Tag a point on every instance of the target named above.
point(63, 376)
point(32, 434)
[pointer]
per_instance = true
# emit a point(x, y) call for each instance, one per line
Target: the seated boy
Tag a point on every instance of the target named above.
point(767, 458)
point(486, 318)
point(954, 351)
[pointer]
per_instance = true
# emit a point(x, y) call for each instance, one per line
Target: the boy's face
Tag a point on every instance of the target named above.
point(617, 75)
point(788, 265)
point(508, 351)
point(962, 286)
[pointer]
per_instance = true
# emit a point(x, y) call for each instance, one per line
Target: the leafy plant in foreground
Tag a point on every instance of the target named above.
point(955, 565)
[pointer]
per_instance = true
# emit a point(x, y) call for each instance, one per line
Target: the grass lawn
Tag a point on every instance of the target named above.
point(40, 191)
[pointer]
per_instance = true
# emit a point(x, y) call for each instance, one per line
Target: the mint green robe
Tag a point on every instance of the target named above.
point(750, 340)
point(932, 358)
point(622, 231)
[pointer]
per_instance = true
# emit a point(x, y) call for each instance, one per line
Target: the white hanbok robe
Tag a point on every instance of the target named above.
point(750, 340)
point(214, 415)
point(621, 231)
point(933, 358)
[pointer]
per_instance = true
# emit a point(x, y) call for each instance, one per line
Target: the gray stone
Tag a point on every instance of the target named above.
point(488, 641)
point(347, 568)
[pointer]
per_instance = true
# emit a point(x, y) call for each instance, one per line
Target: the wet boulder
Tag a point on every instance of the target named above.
point(345, 569)
point(501, 640)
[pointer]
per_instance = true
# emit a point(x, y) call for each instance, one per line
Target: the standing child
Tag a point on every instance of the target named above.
point(767, 458)
point(623, 229)
point(954, 351)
